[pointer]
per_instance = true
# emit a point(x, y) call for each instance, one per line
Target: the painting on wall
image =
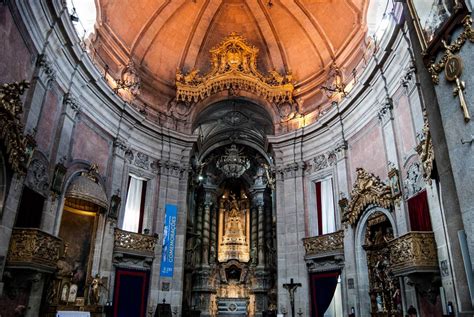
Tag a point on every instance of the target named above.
point(77, 232)
point(430, 16)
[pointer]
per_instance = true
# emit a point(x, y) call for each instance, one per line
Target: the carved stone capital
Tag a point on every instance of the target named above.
point(46, 67)
point(73, 106)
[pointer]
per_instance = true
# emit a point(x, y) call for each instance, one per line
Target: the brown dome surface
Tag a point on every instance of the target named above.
point(302, 37)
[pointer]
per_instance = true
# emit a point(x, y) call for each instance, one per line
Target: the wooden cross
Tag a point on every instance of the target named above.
point(291, 288)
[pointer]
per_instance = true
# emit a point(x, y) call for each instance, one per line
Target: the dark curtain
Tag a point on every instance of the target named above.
point(323, 286)
point(131, 293)
point(419, 212)
point(319, 208)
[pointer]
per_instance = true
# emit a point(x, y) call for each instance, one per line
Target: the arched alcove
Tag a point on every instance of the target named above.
point(366, 244)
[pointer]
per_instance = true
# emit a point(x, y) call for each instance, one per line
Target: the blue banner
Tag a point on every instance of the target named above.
point(169, 239)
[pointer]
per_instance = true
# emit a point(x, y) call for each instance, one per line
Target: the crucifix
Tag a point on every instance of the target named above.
point(453, 72)
point(291, 288)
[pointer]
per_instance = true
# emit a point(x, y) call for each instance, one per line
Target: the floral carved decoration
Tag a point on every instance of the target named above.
point(136, 243)
point(426, 152)
point(234, 68)
point(33, 248)
point(18, 146)
point(368, 189)
point(328, 243)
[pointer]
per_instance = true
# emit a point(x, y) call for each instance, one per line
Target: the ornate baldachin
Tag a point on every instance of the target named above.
point(131, 242)
point(467, 34)
point(368, 189)
point(33, 248)
point(414, 252)
point(425, 151)
point(324, 244)
point(234, 68)
point(18, 146)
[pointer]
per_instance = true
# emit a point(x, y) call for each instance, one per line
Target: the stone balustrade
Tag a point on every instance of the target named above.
point(33, 249)
point(414, 252)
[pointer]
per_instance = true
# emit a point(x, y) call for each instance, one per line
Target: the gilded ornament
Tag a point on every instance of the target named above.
point(426, 152)
point(33, 248)
point(328, 243)
point(467, 35)
point(131, 242)
point(234, 68)
point(414, 251)
point(19, 148)
point(368, 189)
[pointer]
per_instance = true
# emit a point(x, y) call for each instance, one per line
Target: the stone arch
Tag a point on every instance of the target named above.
point(362, 271)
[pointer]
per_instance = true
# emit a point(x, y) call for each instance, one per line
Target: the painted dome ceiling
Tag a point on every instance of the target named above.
point(300, 37)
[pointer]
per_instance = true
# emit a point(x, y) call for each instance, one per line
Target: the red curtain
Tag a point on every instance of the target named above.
point(323, 285)
point(319, 208)
point(419, 212)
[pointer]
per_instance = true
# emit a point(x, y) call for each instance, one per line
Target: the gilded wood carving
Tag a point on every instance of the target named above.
point(134, 242)
point(426, 152)
point(34, 248)
point(233, 68)
point(327, 243)
point(368, 189)
point(18, 147)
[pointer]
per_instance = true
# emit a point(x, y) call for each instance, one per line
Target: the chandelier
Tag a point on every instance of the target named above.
point(233, 164)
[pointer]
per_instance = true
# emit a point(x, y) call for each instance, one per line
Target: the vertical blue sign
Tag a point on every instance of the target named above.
point(169, 239)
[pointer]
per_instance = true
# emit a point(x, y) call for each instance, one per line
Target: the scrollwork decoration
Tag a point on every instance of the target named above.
point(368, 189)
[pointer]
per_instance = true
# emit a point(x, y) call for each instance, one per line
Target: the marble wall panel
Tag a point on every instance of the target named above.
point(48, 121)
point(16, 60)
point(89, 145)
point(367, 150)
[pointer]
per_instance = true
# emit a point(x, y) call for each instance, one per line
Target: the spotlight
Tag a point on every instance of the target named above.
point(73, 16)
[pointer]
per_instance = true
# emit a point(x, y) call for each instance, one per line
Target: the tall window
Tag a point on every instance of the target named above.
point(325, 211)
point(135, 205)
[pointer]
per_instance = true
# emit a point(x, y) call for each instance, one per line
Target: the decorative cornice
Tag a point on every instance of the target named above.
point(234, 68)
point(367, 189)
point(467, 34)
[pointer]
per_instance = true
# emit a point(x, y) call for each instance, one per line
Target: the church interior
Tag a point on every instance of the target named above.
point(236, 158)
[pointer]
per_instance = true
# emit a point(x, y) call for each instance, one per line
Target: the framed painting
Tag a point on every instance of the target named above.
point(431, 17)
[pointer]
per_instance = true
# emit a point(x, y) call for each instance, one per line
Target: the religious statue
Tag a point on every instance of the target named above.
point(234, 232)
point(94, 291)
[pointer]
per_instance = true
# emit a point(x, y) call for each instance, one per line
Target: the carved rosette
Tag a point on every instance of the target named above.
point(426, 152)
point(234, 68)
point(368, 189)
point(414, 252)
point(134, 243)
point(18, 146)
point(324, 244)
point(33, 249)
